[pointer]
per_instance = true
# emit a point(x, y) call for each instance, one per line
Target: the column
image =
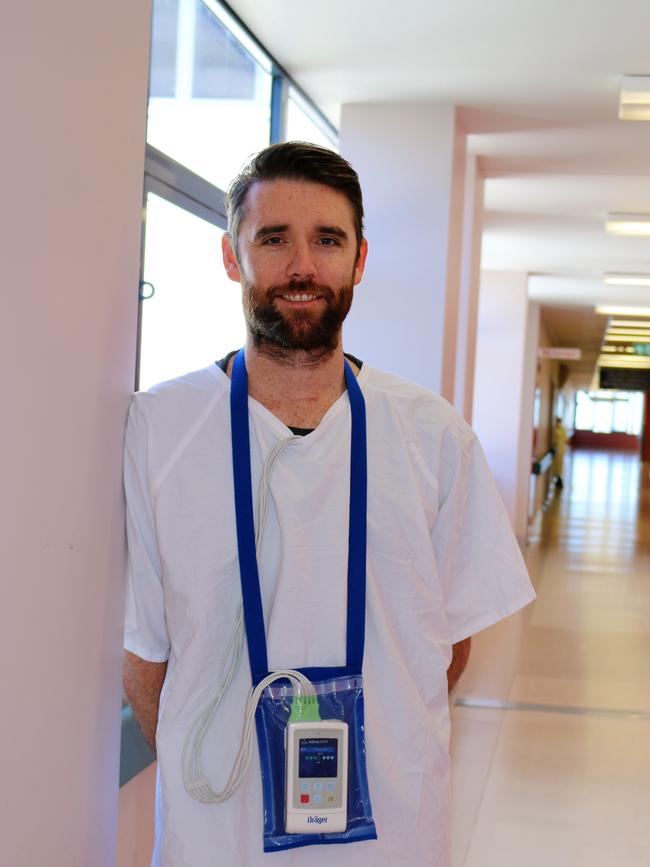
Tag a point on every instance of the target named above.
point(504, 384)
point(411, 161)
point(470, 274)
point(73, 150)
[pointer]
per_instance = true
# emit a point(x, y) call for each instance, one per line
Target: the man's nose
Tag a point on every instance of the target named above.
point(302, 264)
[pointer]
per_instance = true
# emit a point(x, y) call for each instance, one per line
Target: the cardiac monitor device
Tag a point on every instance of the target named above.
point(316, 800)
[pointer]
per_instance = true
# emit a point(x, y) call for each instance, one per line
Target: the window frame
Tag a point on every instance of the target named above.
point(180, 186)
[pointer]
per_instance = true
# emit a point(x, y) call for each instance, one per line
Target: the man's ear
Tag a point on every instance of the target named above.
point(361, 261)
point(230, 258)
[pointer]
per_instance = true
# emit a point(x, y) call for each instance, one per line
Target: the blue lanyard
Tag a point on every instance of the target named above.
point(250, 582)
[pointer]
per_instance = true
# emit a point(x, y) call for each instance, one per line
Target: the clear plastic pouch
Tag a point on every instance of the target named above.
point(340, 697)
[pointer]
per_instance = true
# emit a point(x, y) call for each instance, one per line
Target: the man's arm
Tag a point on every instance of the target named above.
point(143, 681)
point(459, 659)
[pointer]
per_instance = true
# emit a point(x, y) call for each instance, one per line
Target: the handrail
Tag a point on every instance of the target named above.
point(542, 464)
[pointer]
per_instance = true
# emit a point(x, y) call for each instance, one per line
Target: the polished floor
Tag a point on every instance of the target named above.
point(551, 728)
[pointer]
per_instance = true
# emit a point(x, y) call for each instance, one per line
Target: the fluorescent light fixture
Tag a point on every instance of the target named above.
point(629, 332)
point(606, 310)
point(630, 323)
point(627, 338)
point(627, 279)
point(628, 360)
point(634, 363)
point(628, 224)
point(634, 98)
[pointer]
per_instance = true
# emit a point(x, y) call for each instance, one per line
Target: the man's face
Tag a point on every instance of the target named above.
point(297, 262)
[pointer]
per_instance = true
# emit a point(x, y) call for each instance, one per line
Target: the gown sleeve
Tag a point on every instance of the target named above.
point(482, 571)
point(145, 630)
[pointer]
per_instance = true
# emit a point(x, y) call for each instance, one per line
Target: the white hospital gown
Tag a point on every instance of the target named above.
point(442, 564)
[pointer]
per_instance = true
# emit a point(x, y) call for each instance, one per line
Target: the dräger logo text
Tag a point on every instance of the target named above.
point(316, 820)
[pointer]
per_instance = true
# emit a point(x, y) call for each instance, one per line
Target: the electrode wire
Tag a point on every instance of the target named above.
point(194, 780)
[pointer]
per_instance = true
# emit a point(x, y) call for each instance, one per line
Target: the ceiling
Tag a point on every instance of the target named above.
point(537, 86)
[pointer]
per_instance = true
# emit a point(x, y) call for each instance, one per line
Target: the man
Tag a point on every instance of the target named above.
point(442, 562)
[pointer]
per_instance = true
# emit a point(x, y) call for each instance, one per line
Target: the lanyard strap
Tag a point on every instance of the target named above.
point(250, 581)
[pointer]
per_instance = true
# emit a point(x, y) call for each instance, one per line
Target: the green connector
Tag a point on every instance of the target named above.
point(304, 708)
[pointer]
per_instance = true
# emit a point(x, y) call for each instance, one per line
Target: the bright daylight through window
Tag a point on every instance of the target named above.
point(215, 96)
point(187, 329)
point(609, 411)
point(210, 97)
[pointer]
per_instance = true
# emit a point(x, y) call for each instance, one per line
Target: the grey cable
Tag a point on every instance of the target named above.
point(194, 780)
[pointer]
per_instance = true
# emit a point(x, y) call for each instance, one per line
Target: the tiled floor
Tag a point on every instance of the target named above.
point(551, 743)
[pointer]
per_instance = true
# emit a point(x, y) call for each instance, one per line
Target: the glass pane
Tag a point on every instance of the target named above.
point(195, 315)
point(637, 399)
point(218, 110)
point(303, 126)
point(621, 413)
point(602, 416)
point(163, 48)
point(584, 411)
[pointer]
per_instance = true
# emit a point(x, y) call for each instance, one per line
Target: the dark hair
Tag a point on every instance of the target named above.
point(300, 161)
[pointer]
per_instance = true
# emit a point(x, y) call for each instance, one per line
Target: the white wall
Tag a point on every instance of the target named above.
point(411, 162)
point(75, 80)
point(504, 386)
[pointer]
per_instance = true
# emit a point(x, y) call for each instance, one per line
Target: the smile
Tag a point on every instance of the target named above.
point(303, 296)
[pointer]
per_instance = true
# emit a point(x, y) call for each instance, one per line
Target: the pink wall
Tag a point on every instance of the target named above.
point(136, 820)
point(73, 147)
point(504, 385)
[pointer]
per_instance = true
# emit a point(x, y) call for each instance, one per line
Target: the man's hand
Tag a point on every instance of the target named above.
point(142, 682)
point(459, 659)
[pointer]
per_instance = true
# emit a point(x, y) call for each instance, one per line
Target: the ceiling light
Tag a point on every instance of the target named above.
point(629, 323)
point(623, 311)
point(628, 224)
point(634, 98)
point(627, 279)
point(630, 360)
point(639, 363)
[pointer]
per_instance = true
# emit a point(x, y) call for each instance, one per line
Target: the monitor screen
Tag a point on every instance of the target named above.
point(317, 757)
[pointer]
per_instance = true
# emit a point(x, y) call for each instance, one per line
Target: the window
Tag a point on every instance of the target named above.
point(303, 124)
point(607, 411)
point(210, 94)
point(194, 316)
point(162, 76)
point(213, 94)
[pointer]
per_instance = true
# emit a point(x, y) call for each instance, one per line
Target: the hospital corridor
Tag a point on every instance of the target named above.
point(551, 727)
point(456, 198)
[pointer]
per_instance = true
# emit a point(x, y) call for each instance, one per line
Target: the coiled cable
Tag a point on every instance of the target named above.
point(194, 780)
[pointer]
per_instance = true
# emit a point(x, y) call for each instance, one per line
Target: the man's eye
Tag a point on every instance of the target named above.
point(272, 241)
point(329, 242)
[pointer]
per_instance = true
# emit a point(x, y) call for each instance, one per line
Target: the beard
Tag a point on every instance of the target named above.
point(311, 330)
